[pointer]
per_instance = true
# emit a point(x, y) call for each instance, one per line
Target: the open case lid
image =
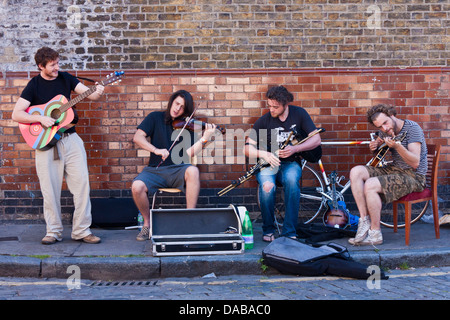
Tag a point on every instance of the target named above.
point(168, 222)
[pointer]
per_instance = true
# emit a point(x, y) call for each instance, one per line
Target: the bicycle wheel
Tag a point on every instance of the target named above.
point(311, 204)
point(417, 211)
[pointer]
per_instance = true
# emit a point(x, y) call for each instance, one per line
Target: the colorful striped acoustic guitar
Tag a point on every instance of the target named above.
point(59, 108)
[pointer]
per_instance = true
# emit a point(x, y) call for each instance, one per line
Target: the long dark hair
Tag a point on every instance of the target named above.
point(188, 104)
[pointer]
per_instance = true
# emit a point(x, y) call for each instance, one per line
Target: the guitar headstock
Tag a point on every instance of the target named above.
point(333, 176)
point(113, 78)
point(401, 137)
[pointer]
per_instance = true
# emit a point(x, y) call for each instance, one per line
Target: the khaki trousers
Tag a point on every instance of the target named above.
point(72, 165)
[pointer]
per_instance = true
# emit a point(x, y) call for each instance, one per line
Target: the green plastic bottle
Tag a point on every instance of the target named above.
point(247, 231)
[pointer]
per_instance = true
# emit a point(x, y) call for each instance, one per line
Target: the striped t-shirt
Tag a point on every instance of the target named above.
point(414, 134)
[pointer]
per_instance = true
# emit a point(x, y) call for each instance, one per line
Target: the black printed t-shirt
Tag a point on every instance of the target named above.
point(162, 136)
point(272, 132)
point(40, 91)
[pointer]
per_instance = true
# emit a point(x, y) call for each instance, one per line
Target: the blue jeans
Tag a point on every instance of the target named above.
point(288, 175)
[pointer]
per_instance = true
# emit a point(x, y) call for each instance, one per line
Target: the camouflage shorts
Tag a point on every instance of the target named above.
point(396, 182)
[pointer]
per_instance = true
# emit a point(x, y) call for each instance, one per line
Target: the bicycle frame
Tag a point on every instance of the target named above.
point(313, 200)
point(316, 198)
point(338, 180)
point(325, 192)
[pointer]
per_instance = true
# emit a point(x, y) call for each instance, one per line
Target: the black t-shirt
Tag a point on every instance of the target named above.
point(268, 129)
point(162, 136)
point(40, 91)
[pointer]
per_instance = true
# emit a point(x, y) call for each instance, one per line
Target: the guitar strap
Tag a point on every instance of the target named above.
point(55, 152)
point(86, 79)
point(55, 147)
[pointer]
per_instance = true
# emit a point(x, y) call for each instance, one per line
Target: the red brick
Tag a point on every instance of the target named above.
point(336, 100)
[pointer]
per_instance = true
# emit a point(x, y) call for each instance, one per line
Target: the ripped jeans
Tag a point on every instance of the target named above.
point(288, 175)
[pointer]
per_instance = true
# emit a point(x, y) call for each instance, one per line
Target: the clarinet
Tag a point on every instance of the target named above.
point(261, 164)
point(258, 166)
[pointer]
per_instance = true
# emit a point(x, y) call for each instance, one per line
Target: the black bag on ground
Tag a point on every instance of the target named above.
point(113, 213)
point(290, 256)
point(317, 232)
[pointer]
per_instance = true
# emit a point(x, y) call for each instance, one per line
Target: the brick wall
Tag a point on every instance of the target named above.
point(337, 99)
point(232, 34)
point(338, 56)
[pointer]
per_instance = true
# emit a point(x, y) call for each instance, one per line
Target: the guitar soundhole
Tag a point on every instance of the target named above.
point(55, 114)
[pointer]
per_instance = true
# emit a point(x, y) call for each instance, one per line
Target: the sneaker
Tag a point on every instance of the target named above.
point(363, 229)
point(444, 219)
point(374, 237)
point(144, 234)
point(48, 240)
point(91, 239)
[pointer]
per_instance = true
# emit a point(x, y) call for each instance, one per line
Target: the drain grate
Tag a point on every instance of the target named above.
point(101, 283)
point(9, 238)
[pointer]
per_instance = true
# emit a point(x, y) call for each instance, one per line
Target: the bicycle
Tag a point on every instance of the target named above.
point(317, 190)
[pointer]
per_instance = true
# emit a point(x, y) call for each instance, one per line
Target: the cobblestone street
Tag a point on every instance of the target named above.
point(415, 284)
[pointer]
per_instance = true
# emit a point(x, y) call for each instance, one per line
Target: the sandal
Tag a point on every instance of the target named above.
point(268, 237)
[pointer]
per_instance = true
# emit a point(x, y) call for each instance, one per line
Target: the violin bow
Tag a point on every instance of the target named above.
point(179, 134)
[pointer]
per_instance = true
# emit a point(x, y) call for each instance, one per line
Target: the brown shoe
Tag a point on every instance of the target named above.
point(48, 240)
point(91, 239)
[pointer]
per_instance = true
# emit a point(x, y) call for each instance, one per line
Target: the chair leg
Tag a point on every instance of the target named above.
point(277, 224)
point(154, 198)
point(395, 215)
point(434, 201)
point(407, 222)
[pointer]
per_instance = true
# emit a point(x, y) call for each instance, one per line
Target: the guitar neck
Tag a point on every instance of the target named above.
point(333, 182)
point(80, 97)
point(383, 150)
point(335, 205)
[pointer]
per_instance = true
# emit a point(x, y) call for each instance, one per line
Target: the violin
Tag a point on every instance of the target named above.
point(192, 125)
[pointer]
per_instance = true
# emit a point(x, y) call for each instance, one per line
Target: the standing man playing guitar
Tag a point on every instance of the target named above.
point(270, 131)
point(67, 158)
point(373, 185)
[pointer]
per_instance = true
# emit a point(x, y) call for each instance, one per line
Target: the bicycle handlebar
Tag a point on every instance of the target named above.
point(345, 142)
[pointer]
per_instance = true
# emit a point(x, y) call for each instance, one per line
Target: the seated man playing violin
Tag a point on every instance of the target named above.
point(164, 169)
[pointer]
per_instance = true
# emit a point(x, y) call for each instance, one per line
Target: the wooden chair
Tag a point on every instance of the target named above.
point(430, 193)
point(161, 190)
point(194, 161)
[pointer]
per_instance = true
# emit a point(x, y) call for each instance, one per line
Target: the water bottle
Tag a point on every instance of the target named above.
point(140, 220)
point(247, 231)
